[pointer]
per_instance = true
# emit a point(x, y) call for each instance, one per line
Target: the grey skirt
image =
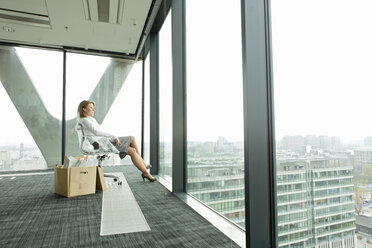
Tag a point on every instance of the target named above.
point(123, 147)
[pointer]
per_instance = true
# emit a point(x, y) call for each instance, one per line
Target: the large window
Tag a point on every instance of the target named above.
point(31, 106)
point(31, 95)
point(215, 156)
point(83, 74)
point(165, 100)
point(322, 59)
point(118, 104)
point(125, 116)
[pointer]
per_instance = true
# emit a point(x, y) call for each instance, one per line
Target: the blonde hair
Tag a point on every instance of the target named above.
point(82, 105)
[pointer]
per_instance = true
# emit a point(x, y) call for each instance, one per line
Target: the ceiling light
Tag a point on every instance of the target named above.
point(104, 11)
point(18, 17)
point(8, 29)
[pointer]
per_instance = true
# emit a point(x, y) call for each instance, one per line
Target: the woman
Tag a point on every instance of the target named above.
point(125, 145)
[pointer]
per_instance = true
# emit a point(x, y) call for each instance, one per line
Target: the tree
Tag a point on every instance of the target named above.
point(358, 199)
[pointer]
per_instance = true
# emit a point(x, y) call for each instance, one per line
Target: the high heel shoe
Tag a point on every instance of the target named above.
point(148, 166)
point(150, 179)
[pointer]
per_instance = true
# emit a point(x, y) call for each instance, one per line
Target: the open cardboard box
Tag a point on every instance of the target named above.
point(76, 181)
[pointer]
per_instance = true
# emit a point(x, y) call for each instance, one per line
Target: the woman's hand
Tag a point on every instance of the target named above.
point(117, 141)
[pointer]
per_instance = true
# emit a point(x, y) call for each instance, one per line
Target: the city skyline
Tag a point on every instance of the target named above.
point(29, 141)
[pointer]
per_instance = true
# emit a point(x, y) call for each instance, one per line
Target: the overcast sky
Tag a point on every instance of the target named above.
point(321, 61)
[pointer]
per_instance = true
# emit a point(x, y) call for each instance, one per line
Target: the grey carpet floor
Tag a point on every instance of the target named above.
point(31, 215)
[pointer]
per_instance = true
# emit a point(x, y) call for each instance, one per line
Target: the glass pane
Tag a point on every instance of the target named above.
point(165, 100)
point(41, 76)
point(124, 117)
point(146, 120)
point(83, 75)
point(115, 87)
point(30, 95)
point(322, 59)
point(215, 158)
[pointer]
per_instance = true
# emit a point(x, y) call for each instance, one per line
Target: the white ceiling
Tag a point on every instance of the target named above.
point(27, 21)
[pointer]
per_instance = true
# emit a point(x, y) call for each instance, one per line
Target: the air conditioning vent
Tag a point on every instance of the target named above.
point(108, 11)
point(18, 17)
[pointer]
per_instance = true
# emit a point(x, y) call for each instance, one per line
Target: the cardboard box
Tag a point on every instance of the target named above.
point(76, 181)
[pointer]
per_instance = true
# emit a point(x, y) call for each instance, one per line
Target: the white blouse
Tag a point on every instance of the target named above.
point(92, 128)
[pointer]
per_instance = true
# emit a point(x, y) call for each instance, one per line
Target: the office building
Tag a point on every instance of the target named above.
point(193, 82)
point(368, 141)
point(315, 203)
point(5, 160)
point(362, 157)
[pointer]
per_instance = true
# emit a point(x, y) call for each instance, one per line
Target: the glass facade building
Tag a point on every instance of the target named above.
point(285, 166)
point(315, 203)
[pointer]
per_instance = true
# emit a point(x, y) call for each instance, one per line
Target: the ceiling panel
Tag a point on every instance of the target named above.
point(30, 6)
point(72, 23)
